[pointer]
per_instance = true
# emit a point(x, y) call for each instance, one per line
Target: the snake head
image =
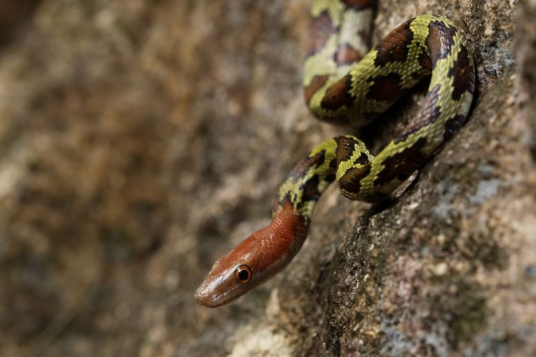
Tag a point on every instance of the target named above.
point(259, 257)
point(233, 275)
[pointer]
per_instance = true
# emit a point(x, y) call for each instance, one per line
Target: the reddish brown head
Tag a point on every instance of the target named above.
point(265, 253)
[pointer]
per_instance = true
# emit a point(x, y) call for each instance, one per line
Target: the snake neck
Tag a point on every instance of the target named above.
point(288, 226)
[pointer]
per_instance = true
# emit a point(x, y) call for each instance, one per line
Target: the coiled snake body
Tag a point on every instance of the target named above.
point(340, 85)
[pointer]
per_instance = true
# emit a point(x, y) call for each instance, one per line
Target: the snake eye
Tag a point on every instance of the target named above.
point(243, 274)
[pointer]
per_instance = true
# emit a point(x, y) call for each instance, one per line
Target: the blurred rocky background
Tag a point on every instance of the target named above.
point(140, 140)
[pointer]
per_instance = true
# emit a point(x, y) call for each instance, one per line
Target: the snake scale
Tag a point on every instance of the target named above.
point(340, 84)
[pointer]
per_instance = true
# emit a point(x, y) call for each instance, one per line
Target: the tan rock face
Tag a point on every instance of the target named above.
point(140, 140)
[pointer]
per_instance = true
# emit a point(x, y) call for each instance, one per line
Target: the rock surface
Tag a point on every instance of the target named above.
point(141, 140)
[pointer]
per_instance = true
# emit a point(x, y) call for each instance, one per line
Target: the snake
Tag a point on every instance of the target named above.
point(346, 81)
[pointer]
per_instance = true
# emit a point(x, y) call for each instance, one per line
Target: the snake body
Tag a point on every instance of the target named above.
point(340, 84)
